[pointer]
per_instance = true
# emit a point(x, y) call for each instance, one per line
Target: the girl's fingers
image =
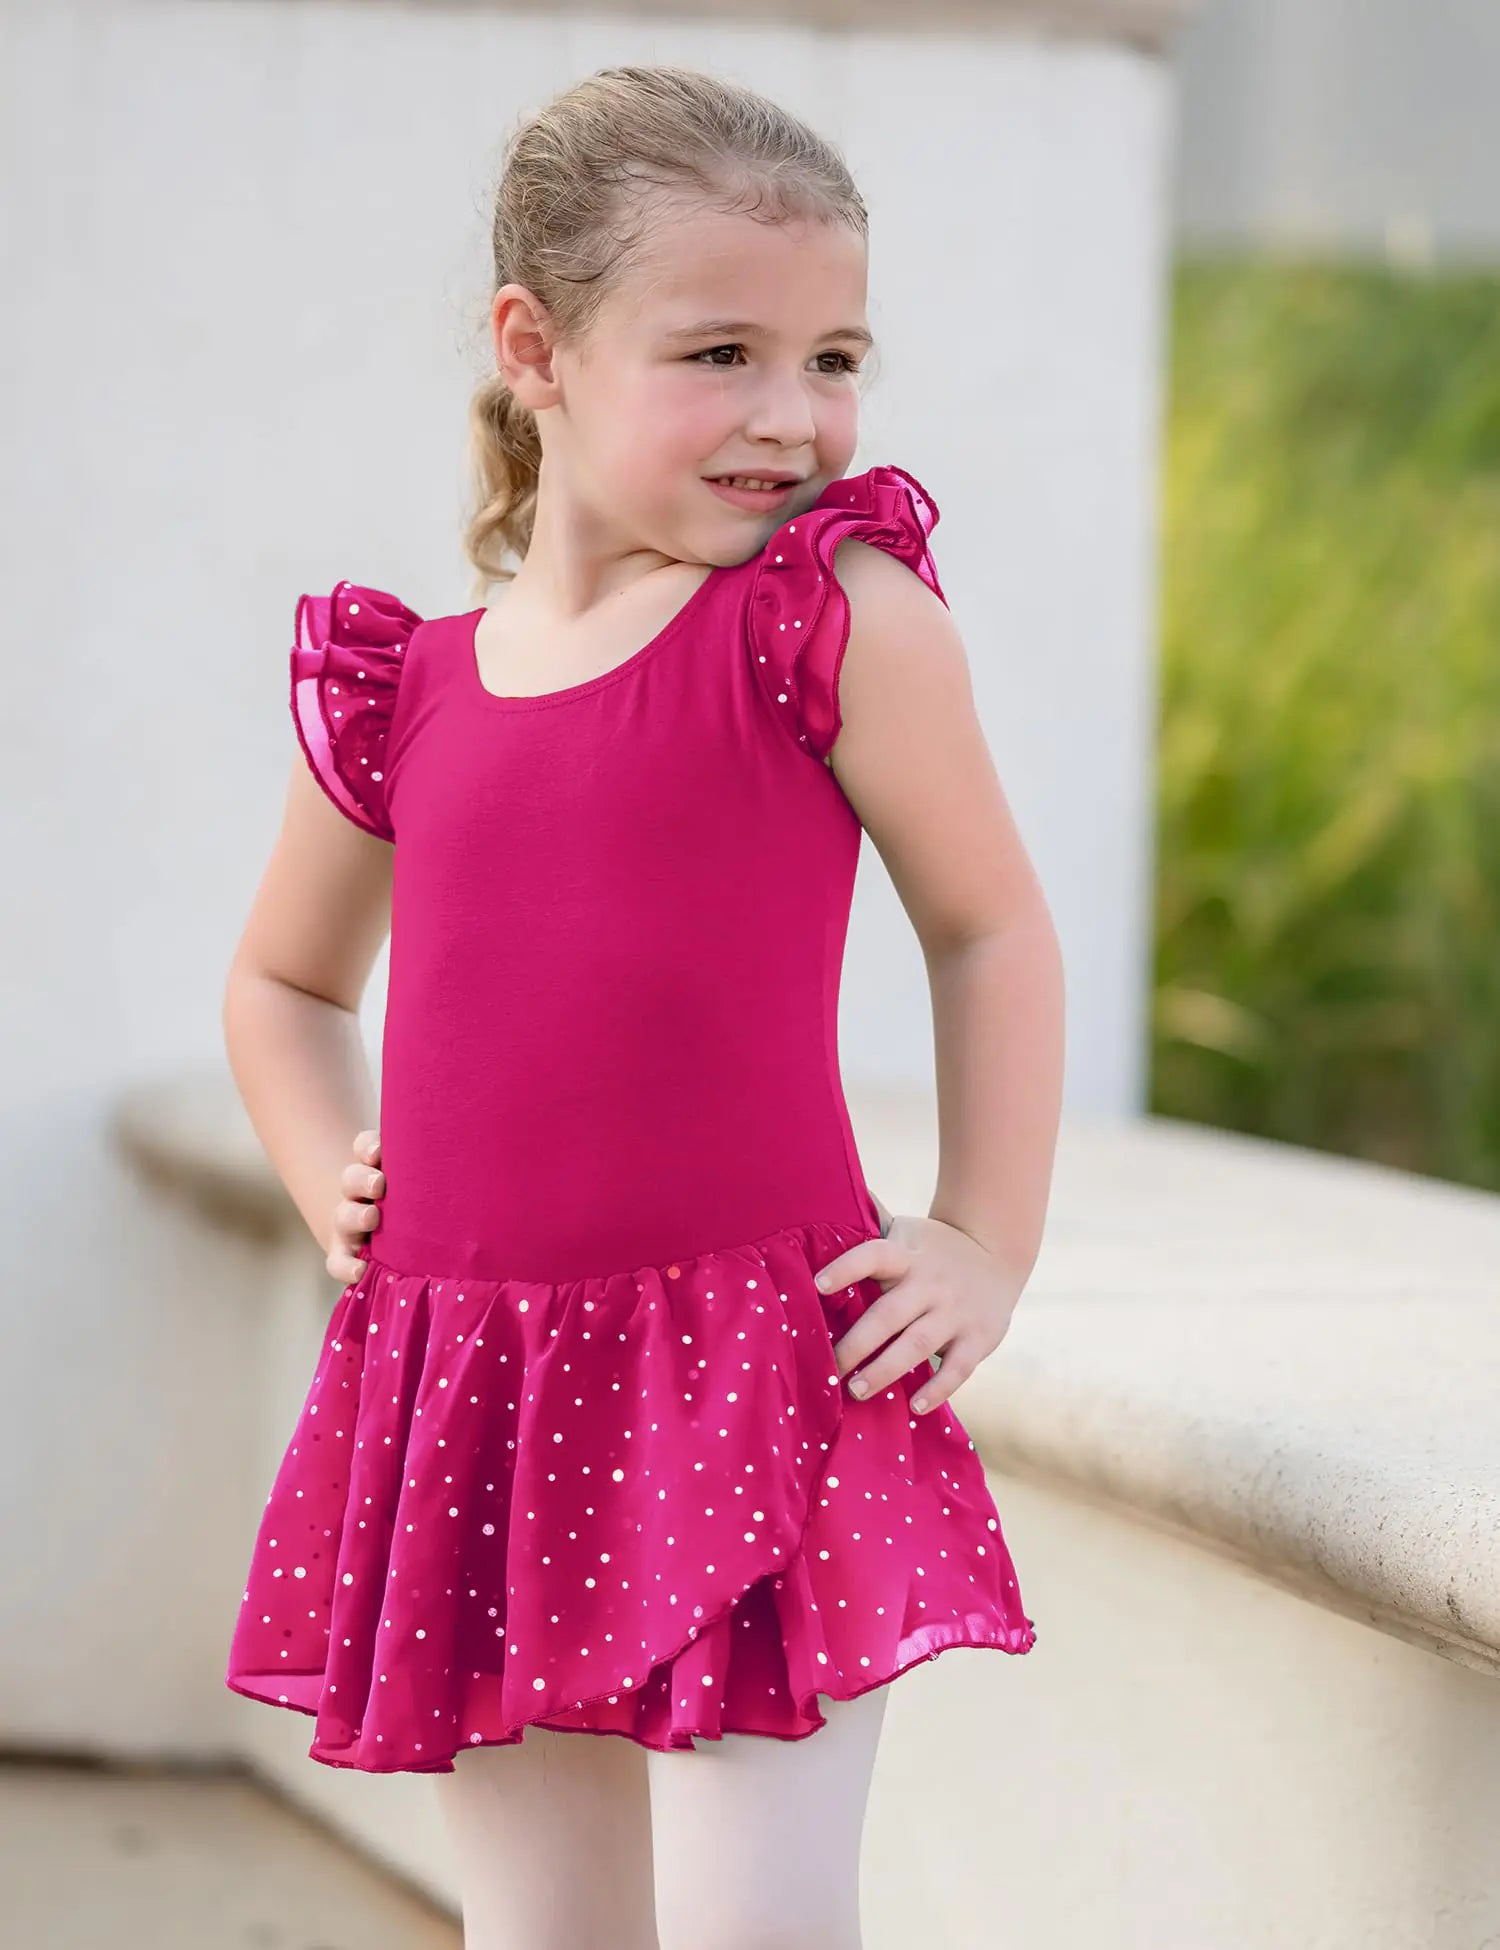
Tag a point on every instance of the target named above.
point(356, 1214)
point(353, 1217)
point(883, 1318)
point(880, 1259)
point(344, 1266)
point(360, 1181)
point(922, 1339)
point(958, 1361)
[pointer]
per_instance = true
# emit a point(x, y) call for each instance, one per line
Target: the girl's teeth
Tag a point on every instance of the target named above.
point(744, 481)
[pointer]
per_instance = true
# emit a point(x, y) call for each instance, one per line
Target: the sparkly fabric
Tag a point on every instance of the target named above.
point(345, 673)
point(576, 1453)
point(799, 614)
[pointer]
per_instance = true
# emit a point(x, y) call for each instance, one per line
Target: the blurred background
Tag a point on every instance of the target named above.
point(1327, 777)
point(1189, 314)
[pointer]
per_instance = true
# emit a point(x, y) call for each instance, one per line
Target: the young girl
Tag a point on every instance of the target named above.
point(626, 1422)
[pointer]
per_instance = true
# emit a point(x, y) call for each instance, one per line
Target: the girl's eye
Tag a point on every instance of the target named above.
point(707, 355)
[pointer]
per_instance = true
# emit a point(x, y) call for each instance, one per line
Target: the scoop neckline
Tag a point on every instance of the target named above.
point(541, 700)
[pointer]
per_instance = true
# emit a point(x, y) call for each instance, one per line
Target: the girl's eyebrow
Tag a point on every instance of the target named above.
point(748, 328)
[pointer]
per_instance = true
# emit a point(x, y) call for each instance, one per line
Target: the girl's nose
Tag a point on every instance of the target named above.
point(782, 411)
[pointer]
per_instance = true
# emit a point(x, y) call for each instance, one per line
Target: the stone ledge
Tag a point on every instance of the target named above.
point(190, 1138)
point(1145, 24)
point(1289, 1358)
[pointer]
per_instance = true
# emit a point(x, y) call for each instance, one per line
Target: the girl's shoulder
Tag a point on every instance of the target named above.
point(798, 612)
point(347, 657)
point(352, 645)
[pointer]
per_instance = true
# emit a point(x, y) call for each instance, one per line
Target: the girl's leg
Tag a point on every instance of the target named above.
point(757, 1840)
point(553, 1842)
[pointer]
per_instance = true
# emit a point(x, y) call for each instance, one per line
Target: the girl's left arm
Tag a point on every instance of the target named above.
point(912, 759)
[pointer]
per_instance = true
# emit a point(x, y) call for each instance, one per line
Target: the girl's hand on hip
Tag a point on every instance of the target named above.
point(356, 1215)
point(944, 1294)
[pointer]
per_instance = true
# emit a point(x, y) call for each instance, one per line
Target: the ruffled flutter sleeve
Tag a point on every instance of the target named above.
point(346, 672)
point(798, 613)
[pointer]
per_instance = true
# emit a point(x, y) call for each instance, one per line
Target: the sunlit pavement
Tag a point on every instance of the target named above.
point(92, 1857)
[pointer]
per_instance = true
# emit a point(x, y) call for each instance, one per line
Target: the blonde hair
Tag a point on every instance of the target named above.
point(568, 219)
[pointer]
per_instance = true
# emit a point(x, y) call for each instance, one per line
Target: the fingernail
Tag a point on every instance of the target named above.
point(821, 1282)
point(858, 1385)
point(919, 1402)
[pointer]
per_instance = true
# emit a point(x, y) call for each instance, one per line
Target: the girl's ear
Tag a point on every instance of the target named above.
point(523, 334)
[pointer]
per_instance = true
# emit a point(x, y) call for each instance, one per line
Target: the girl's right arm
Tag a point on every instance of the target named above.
point(290, 1013)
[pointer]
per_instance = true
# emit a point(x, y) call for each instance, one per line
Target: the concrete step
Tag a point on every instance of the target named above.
point(132, 1859)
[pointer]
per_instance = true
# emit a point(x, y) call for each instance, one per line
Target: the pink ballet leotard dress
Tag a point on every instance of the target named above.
point(576, 1453)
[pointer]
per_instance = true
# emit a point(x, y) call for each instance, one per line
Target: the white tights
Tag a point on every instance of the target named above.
point(581, 1841)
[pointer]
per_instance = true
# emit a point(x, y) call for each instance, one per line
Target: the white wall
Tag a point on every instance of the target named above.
point(1354, 125)
point(246, 269)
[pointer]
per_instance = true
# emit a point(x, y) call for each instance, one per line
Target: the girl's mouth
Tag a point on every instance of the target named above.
point(733, 489)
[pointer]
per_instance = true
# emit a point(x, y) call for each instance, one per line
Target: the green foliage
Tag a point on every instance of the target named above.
point(1328, 847)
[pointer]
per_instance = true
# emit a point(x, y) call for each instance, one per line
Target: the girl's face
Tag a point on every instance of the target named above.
point(732, 347)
